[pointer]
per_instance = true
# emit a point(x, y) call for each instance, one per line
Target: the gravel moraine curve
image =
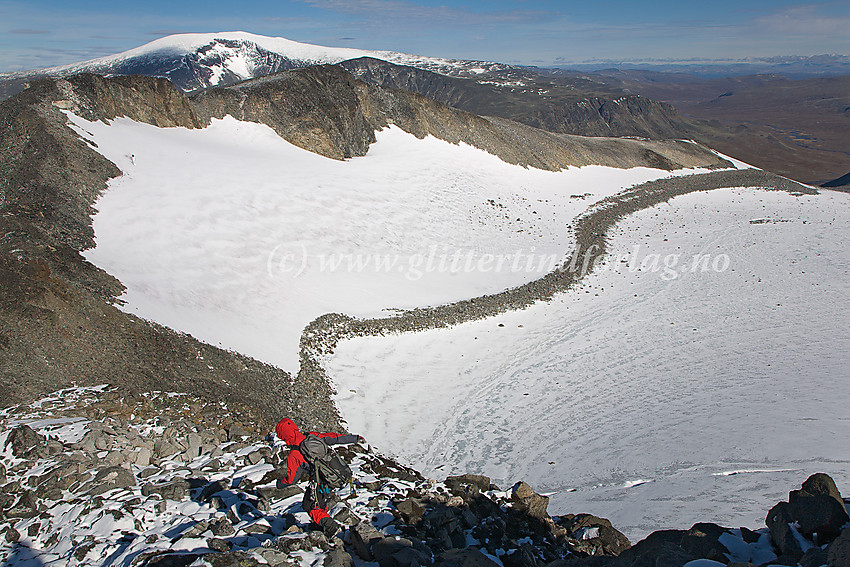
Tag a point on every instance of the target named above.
point(322, 335)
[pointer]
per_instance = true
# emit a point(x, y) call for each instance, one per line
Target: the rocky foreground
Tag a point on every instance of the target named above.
point(93, 478)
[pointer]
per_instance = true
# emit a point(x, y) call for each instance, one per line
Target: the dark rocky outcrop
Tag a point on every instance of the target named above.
point(816, 513)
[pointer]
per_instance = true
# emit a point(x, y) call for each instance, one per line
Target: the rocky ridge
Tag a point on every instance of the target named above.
point(552, 103)
point(93, 478)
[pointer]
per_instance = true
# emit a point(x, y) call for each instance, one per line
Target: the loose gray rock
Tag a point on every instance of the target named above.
point(338, 558)
point(469, 557)
point(26, 443)
point(480, 482)
point(25, 507)
point(524, 499)
point(363, 536)
point(111, 478)
point(411, 510)
point(218, 544)
point(175, 490)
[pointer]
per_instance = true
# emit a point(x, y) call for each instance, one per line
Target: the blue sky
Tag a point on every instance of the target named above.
point(41, 33)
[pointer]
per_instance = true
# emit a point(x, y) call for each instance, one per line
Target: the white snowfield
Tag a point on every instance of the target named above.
point(653, 400)
point(241, 239)
point(688, 390)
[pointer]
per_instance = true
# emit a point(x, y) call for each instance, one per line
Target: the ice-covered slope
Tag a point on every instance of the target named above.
point(656, 397)
point(239, 238)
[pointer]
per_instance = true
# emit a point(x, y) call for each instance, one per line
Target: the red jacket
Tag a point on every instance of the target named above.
point(295, 462)
point(288, 432)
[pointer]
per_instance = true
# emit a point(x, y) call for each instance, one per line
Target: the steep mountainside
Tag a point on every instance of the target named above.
point(567, 106)
point(797, 128)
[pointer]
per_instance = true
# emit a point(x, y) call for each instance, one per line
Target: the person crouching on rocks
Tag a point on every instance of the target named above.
point(311, 454)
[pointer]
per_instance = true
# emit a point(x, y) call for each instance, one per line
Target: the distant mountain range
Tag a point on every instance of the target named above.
point(791, 66)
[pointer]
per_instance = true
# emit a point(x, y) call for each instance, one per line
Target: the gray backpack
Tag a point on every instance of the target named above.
point(329, 469)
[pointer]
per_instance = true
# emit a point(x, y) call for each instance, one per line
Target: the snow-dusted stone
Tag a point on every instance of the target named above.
point(465, 481)
point(211, 489)
point(193, 448)
point(142, 457)
point(594, 535)
point(398, 552)
point(364, 536)
point(274, 493)
point(524, 499)
point(276, 558)
point(218, 544)
point(221, 527)
point(26, 443)
point(255, 457)
point(174, 490)
point(469, 557)
point(337, 558)
point(818, 508)
point(411, 510)
point(25, 507)
point(2, 473)
point(12, 535)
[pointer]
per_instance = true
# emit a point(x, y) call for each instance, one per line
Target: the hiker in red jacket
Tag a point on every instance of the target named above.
point(315, 500)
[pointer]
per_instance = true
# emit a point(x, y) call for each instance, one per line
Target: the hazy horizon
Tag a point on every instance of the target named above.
point(543, 33)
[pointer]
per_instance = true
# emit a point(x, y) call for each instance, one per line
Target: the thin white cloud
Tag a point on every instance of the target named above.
point(806, 20)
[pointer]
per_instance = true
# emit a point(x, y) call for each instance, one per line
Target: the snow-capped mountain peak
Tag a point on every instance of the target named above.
point(201, 60)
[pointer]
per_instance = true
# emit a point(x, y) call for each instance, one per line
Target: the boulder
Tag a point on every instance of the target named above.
point(211, 489)
point(274, 493)
point(816, 512)
point(838, 553)
point(821, 483)
point(411, 510)
point(26, 443)
point(468, 483)
point(363, 537)
point(398, 552)
point(677, 547)
point(110, 478)
point(174, 490)
point(524, 556)
point(337, 558)
point(525, 500)
point(594, 535)
point(818, 508)
point(779, 522)
point(25, 507)
point(469, 557)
